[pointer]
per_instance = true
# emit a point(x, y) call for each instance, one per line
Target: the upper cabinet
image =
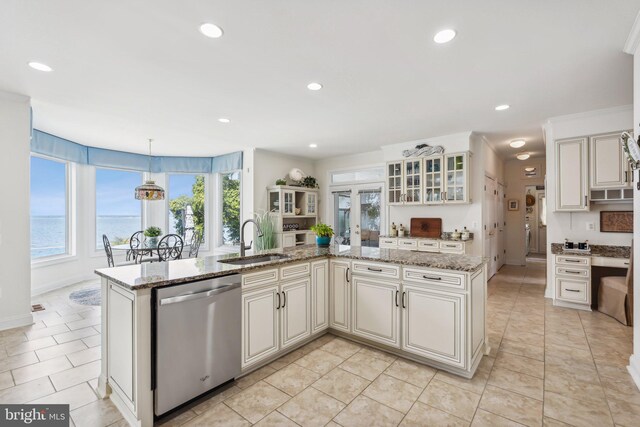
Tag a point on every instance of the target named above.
point(609, 165)
point(572, 178)
point(430, 180)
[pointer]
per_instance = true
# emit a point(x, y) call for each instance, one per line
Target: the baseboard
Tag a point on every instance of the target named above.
point(516, 261)
point(16, 321)
point(634, 369)
point(52, 286)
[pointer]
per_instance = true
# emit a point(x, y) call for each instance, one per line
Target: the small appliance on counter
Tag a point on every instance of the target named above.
point(578, 247)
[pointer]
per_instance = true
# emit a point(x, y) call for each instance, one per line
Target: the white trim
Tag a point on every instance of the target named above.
point(52, 286)
point(587, 114)
point(52, 260)
point(633, 42)
point(16, 321)
point(634, 369)
point(12, 96)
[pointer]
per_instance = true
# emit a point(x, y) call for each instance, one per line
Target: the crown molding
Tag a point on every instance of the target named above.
point(586, 114)
point(633, 40)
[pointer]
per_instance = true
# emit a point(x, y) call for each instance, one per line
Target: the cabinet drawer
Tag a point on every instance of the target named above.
point(298, 270)
point(389, 243)
point(452, 246)
point(259, 278)
point(386, 271)
point(437, 278)
point(573, 290)
point(428, 245)
point(573, 260)
point(583, 273)
point(407, 244)
point(602, 261)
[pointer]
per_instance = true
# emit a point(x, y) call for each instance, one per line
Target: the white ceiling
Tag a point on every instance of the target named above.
point(128, 70)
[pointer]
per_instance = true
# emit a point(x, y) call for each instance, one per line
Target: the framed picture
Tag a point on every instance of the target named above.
point(616, 221)
point(513, 205)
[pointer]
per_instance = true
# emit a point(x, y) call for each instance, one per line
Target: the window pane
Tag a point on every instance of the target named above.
point(231, 208)
point(186, 205)
point(48, 208)
point(118, 213)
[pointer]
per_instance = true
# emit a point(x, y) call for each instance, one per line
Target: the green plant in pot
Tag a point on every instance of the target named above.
point(152, 234)
point(323, 234)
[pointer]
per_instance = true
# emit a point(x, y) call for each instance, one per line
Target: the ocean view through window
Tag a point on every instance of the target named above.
point(118, 213)
point(49, 211)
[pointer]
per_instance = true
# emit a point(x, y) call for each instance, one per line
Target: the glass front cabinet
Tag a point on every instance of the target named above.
point(288, 202)
point(433, 180)
point(311, 205)
point(456, 171)
point(412, 182)
point(394, 182)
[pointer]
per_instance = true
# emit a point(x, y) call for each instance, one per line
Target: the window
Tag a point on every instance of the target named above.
point(49, 208)
point(360, 175)
point(186, 197)
point(230, 184)
point(118, 213)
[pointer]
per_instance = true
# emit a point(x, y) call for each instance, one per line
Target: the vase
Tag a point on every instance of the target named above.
point(323, 241)
point(152, 241)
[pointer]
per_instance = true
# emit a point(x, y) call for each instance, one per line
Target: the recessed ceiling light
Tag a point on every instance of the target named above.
point(314, 86)
point(517, 143)
point(211, 30)
point(444, 36)
point(223, 120)
point(502, 107)
point(313, 145)
point(523, 156)
point(40, 66)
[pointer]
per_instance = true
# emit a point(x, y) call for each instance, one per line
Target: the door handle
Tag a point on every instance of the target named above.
point(346, 274)
point(626, 176)
point(199, 295)
point(284, 299)
point(403, 303)
point(397, 292)
point(278, 306)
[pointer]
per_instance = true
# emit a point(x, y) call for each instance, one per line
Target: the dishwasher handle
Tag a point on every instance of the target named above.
point(199, 295)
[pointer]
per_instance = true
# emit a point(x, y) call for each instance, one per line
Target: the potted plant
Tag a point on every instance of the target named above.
point(281, 181)
point(152, 233)
point(323, 234)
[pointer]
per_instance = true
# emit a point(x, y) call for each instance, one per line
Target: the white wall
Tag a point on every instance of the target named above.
point(15, 273)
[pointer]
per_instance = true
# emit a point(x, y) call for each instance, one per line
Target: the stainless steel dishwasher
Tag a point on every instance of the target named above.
point(197, 339)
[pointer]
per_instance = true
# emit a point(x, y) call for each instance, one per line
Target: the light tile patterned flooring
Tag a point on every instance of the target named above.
point(547, 365)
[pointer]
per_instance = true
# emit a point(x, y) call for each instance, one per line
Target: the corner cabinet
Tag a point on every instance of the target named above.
point(572, 175)
point(340, 302)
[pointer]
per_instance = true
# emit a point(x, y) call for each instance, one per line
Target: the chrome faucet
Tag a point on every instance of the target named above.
point(243, 248)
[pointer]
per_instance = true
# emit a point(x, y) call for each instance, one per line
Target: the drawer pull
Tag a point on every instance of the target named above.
point(573, 272)
point(626, 263)
point(407, 243)
point(573, 290)
point(431, 277)
point(572, 260)
point(377, 270)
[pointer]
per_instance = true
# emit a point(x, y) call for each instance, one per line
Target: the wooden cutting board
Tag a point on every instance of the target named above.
point(426, 227)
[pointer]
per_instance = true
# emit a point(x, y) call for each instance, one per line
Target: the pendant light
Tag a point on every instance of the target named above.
point(149, 190)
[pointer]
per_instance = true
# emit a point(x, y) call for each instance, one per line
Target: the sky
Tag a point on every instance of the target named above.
point(114, 189)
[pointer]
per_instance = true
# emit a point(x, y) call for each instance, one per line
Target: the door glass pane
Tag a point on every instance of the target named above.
point(342, 216)
point(370, 219)
point(450, 178)
point(450, 163)
point(459, 164)
point(436, 165)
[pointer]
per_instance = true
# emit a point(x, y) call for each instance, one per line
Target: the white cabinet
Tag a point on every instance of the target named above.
point(375, 310)
point(395, 190)
point(121, 338)
point(311, 203)
point(609, 165)
point(288, 202)
point(295, 311)
point(319, 296)
point(456, 185)
point(572, 280)
point(260, 324)
point(433, 171)
point(340, 301)
point(572, 175)
point(412, 182)
point(288, 240)
point(434, 324)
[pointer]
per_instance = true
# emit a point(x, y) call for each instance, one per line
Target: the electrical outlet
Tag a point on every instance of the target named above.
point(474, 225)
point(591, 226)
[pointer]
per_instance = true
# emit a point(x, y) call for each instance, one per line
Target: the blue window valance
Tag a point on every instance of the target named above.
point(60, 148)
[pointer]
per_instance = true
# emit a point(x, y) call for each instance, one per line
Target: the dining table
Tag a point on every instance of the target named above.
point(146, 248)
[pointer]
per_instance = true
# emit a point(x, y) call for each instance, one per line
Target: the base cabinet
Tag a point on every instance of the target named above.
point(295, 312)
point(319, 296)
point(375, 313)
point(260, 324)
point(121, 332)
point(340, 308)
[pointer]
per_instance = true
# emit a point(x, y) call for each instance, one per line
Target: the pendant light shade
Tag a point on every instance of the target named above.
point(149, 190)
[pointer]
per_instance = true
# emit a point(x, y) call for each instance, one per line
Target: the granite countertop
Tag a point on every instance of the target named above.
point(596, 250)
point(157, 274)
point(447, 239)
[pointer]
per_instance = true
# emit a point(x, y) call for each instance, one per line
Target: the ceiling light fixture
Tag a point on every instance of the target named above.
point(503, 107)
point(40, 66)
point(517, 143)
point(211, 30)
point(523, 156)
point(224, 120)
point(313, 145)
point(314, 86)
point(149, 190)
point(530, 169)
point(444, 36)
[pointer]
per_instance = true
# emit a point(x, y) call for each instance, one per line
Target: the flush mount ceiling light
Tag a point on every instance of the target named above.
point(224, 120)
point(314, 86)
point(529, 169)
point(444, 36)
point(523, 156)
point(313, 145)
point(211, 30)
point(149, 190)
point(502, 107)
point(40, 66)
point(517, 143)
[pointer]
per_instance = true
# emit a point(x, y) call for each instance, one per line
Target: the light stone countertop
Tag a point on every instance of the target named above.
point(607, 251)
point(157, 274)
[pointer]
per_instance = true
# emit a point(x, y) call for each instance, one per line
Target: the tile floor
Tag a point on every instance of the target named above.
point(547, 366)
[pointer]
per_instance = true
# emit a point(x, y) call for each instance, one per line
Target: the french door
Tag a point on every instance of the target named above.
point(358, 214)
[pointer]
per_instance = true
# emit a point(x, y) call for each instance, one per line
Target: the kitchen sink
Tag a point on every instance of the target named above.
point(258, 259)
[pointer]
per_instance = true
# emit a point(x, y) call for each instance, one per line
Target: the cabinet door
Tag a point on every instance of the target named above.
point(609, 166)
point(571, 175)
point(433, 325)
point(295, 312)
point(288, 240)
point(288, 202)
point(413, 182)
point(311, 203)
point(394, 183)
point(319, 296)
point(121, 335)
point(339, 298)
point(433, 180)
point(376, 312)
point(456, 176)
point(259, 324)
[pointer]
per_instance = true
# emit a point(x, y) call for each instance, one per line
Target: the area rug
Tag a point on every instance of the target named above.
point(87, 296)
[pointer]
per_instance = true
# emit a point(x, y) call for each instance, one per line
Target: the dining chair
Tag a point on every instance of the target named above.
point(194, 246)
point(615, 295)
point(108, 251)
point(135, 241)
point(170, 247)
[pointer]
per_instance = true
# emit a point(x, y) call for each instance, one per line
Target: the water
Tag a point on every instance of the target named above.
point(48, 233)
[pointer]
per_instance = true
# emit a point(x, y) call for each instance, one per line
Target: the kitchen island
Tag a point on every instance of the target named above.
point(427, 307)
